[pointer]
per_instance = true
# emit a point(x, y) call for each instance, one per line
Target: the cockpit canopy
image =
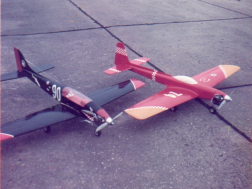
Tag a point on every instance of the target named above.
point(186, 79)
point(75, 96)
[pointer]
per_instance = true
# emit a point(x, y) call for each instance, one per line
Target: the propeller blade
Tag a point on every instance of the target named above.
point(118, 115)
point(106, 123)
point(101, 126)
point(223, 102)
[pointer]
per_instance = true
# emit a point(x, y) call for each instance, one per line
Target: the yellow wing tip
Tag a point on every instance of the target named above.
point(229, 69)
point(144, 112)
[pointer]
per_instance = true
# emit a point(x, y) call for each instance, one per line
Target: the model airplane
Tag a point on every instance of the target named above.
point(72, 103)
point(179, 89)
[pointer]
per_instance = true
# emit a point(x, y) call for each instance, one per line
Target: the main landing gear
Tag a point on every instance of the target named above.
point(47, 129)
point(174, 109)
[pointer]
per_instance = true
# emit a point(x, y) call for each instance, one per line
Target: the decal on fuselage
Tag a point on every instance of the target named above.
point(36, 80)
point(154, 75)
point(70, 94)
point(56, 92)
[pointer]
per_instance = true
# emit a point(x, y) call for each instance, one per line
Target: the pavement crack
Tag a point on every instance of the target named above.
point(175, 22)
point(52, 32)
point(225, 120)
point(224, 8)
point(114, 36)
point(236, 86)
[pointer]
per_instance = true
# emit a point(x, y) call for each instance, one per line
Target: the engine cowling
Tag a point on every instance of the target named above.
point(217, 99)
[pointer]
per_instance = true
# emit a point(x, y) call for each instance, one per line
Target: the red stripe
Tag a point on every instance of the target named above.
point(18, 61)
point(4, 136)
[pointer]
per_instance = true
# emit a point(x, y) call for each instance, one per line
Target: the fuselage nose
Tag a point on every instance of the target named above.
point(101, 112)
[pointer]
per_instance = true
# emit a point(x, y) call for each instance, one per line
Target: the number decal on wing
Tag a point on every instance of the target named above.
point(56, 92)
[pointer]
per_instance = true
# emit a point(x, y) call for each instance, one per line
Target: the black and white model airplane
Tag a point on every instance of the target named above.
point(72, 103)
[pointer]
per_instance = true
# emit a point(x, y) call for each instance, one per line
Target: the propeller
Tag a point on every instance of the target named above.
point(110, 121)
point(220, 101)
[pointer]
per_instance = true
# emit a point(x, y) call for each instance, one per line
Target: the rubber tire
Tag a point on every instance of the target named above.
point(47, 129)
point(212, 110)
point(97, 133)
point(174, 109)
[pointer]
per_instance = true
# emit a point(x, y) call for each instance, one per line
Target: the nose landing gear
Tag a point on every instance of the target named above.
point(212, 110)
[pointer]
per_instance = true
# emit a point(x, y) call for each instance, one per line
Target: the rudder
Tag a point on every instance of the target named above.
point(121, 56)
point(22, 64)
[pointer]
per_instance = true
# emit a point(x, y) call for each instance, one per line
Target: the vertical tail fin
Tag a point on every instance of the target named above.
point(121, 60)
point(121, 56)
point(22, 64)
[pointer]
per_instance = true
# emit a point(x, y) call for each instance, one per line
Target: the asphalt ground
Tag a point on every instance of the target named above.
point(190, 148)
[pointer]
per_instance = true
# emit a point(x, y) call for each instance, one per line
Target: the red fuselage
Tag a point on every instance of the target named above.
point(203, 91)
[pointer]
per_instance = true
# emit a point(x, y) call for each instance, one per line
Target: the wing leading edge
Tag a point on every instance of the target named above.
point(162, 101)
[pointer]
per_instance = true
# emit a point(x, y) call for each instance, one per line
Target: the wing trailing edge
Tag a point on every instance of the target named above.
point(108, 94)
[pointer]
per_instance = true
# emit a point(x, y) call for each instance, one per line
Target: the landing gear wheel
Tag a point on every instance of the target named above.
point(212, 110)
point(97, 133)
point(174, 109)
point(47, 129)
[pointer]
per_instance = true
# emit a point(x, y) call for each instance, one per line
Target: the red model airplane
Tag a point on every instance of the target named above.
point(179, 89)
point(72, 103)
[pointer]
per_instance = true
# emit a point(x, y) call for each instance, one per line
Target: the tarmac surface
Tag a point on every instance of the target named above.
point(190, 148)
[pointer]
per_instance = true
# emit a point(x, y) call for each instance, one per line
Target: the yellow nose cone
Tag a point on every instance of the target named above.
point(229, 69)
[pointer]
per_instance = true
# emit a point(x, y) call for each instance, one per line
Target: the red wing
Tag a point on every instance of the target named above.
point(162, 101)
point(215, 75)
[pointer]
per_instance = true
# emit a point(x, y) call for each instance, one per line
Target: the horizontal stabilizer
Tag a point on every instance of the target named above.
point(117, 69)
point(37, 120)
point(139, 61)
point(108, 94)
point(17, 74)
